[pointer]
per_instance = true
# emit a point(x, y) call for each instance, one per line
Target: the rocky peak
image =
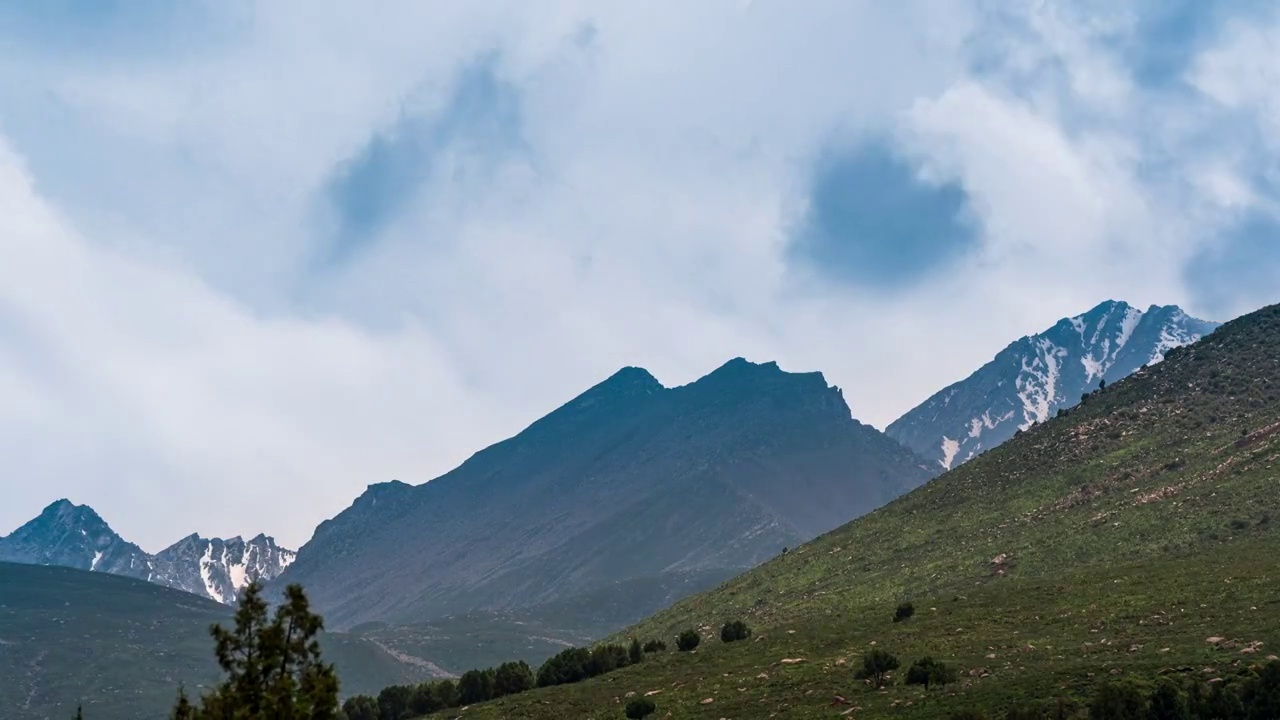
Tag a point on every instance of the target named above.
point(1038, 375)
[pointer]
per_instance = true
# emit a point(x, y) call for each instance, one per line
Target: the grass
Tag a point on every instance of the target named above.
point(1113, 540)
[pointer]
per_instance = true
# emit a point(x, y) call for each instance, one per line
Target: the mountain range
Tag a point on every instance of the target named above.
point(75, 536)
point(1036, 376)
point(624, 500)
point(1118, 535)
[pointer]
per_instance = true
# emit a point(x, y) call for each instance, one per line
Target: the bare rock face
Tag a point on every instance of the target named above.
point(1036, 376)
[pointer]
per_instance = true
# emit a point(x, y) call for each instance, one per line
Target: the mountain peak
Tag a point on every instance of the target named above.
point(58, 506)
point(629, 380)
point(1039, 375)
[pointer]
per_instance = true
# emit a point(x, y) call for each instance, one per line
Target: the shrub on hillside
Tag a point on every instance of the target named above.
point(1167, 702)
point(426, 698)
point(394, 701)
point(734, 631)
point(1118, 701)
point(567, 666)
point(904, 612)
point(641, 708)
point(446, 692)
point(1026, 712)
point(360, 707)
point(1262, 695)
point(876, 665)
point(476, 686)
point(635, 653)
point(655, 646)
point(926, 671)
point(687, 641)
point(511, 678)
point(606, 659)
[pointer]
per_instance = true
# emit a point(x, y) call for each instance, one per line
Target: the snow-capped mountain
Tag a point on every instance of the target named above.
point(1029, 381)
point(219, 568)
point(75, 536)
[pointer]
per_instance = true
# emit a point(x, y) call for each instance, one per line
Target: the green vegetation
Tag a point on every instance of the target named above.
point(272, 667)
point(1131, 540)
point(641, 708)
point(904, 612)
point(654, 646)
point(926, 671)
point(876, 666)
point(688, 641)
point(734, 631)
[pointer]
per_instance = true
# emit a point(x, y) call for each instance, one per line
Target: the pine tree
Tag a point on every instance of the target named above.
point(273, 667)
point(182, 709)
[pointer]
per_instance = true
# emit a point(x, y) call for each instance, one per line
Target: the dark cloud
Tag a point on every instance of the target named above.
point(872, 220)
point(1239, 271)
point(122, 29)
point(480, 122)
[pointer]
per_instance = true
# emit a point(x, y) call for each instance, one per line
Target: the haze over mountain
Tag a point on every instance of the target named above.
point(1034, 377)
point(623, 499)
point(74, 536)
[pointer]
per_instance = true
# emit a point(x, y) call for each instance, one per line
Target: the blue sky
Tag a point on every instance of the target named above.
point(255, 247)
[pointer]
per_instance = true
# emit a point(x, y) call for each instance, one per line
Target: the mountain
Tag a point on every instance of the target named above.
point(1034, 377)
point(626, 498)
point(75, 536)
point(217, 568)
point(122, 647)
point(1132, 538)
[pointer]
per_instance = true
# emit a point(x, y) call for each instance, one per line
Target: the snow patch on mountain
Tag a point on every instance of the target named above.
point(1036, 376)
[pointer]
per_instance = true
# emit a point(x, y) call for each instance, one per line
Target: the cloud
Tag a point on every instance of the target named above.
point(305, 247)
point(1233, 274)
point(872, 219)
point(481, 119)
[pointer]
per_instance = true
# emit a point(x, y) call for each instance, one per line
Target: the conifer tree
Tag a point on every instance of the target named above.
point(273, 666)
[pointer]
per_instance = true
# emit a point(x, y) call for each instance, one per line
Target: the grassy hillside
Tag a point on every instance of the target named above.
point(122, 646)
point(1114, 540)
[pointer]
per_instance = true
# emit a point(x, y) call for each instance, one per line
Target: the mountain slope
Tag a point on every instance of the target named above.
point(75, 536)
point(1034, 377)
point(1137, 534)
point(682, 487)
point(121, 646)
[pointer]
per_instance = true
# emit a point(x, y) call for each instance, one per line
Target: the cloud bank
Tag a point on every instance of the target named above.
point(255, 256)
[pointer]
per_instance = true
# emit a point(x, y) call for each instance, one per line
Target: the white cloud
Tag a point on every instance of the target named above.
point(171, 353)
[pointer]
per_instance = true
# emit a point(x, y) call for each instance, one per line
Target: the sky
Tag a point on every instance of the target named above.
point(255, 256)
